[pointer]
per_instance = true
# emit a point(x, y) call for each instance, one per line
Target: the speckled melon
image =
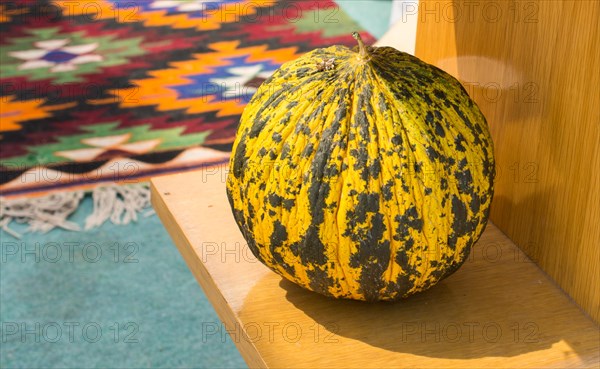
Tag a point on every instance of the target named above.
point(364, 174)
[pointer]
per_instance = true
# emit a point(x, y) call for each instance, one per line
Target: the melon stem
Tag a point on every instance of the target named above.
point(362, 49)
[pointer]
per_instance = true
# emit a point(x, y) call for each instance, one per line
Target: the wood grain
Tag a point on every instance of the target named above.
point(532, 66)
point(499, 310)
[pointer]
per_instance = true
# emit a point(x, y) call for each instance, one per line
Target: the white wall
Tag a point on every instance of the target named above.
point(403, 26)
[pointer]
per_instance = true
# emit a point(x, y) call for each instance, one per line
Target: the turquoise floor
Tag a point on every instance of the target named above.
point(115, 297)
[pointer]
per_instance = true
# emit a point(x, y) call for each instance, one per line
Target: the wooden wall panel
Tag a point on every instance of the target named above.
point(534, 69)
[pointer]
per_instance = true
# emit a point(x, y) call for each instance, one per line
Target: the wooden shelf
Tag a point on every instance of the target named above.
point(498, 311)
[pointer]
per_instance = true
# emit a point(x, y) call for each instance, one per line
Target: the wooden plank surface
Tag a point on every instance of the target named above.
point(498, 311)
point(532, 66)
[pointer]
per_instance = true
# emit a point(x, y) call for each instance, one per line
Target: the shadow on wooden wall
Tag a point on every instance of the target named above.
point(532, 67)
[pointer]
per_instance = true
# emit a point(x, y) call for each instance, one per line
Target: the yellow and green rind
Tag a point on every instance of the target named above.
point(368, 181)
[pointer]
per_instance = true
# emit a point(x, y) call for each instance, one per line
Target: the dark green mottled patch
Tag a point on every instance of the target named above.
point(320, 281)
point(464, 180)
point(429, 117)
point(373, 256)
point(285, 151)
point(458, 143)
point(409, 220)
point(439, 130)
point(387, 190)
point(460, 225)
point(279, 235)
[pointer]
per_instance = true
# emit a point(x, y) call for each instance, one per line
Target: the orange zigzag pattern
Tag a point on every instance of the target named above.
point(156, 91)
point(14, 112)
point(211, 20)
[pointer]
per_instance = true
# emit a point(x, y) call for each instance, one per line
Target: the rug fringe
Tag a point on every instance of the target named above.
point(119, 203)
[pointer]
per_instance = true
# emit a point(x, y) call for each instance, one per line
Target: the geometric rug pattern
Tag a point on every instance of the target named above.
point(118, 91)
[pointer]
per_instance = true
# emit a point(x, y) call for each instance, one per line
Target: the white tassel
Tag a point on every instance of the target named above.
point(120, 204)
point(4, 226)
point(41, 213)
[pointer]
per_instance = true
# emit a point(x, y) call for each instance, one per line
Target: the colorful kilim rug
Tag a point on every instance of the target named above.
point(113, 90)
